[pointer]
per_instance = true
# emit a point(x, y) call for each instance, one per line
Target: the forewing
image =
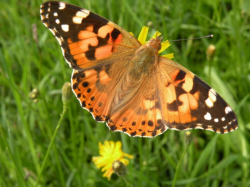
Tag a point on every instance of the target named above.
point(86, 39)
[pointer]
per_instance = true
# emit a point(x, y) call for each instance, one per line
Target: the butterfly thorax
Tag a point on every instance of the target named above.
point(146, 57)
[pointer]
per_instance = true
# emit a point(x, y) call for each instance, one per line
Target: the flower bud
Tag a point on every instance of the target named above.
point(119, 168)
point(66, 93)
point(149, 23)
point(34, 94)
point(210, 52)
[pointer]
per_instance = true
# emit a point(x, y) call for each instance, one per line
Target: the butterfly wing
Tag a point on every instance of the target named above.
point(172, 97)
point(190, 103)
point(98, 50)
point(86, 39)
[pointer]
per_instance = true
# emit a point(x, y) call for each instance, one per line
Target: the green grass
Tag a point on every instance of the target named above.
point(173, 159)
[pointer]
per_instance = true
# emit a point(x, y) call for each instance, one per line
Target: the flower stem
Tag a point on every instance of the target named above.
point(51, 142)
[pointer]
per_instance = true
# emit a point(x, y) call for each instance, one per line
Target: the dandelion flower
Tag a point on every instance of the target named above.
point(109, 152)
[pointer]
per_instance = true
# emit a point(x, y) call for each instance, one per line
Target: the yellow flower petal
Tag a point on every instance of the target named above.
point(169, 56)
point(127, 155)
point(164, 46)
point(157, 33)
point(108, 173)
point(143, 35)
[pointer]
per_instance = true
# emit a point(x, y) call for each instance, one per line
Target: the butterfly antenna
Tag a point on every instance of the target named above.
point(208, 36)
point(157, 16)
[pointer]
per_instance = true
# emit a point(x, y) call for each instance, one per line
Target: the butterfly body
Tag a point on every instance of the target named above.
point(127, 84)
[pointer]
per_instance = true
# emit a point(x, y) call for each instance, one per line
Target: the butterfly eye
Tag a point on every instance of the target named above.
point(155, 43)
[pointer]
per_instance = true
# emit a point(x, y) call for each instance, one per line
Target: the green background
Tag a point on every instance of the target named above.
point(30, 57)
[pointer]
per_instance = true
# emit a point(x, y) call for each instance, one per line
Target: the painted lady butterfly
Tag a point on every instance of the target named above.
point(127, 84)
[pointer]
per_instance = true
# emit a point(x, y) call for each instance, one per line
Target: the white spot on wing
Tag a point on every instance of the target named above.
point(62, 5)
point(214, 92)
point(82, 14)
point(216, 120)
point(42, 17)
point(175, 129)
point(199, 128)
point(57, 21)
point(77, 20)
point(207, 116)
point(209, 103)
point(228, 109)
point(211, 98)
point(223, 119)
point(65, 27)
point(210, 130)
point(46, 25)
point(212, 95)
point(41, 10)
point(55, 14)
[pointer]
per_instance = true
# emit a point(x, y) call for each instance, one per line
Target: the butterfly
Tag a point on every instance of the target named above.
point(127, 84)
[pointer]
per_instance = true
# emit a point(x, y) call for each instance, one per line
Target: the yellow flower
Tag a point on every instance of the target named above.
point(164, 45)
point(110, 151)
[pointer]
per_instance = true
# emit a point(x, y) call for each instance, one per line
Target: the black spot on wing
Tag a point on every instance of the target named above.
point(150, 123)
point(133, 133)
point(113, 127)
point(173, 106)
point(90, 54)
point(114, 34)
point(85, 84)
point(181, 75)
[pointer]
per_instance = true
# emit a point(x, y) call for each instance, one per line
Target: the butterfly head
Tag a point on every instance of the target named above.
point(156, 42)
